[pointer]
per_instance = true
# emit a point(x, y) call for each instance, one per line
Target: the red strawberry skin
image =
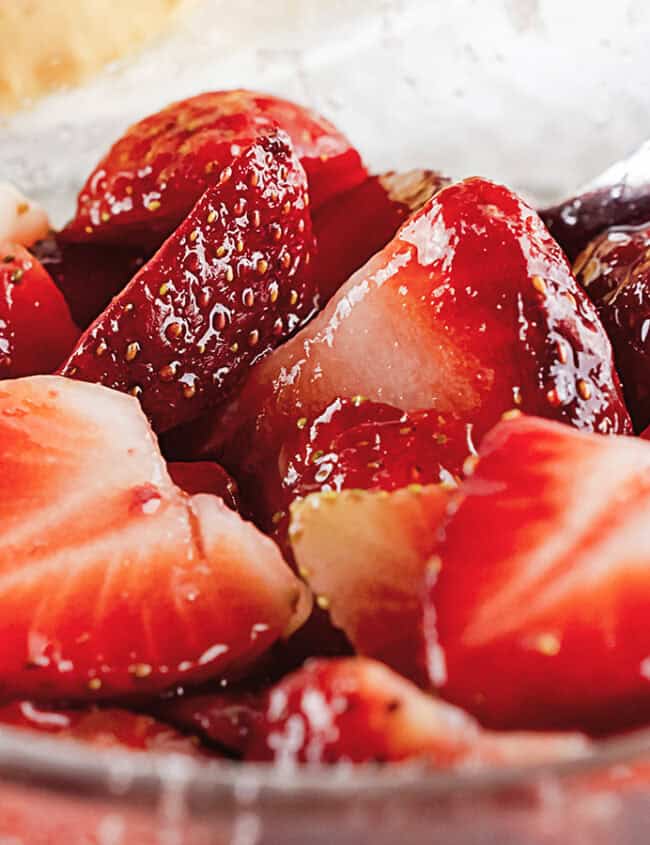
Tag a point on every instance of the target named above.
point(110, 727)
point(615, 271)
point(646, 434)
point(353, 226)
point(88, 275)
point(102, 557)
point(154, 174)
point(226, 287)
point(36, 330)
point(538, 614)
point(357, 710)
point(205, 477)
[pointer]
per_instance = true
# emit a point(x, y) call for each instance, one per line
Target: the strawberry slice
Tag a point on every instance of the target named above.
point(620, 195)
point(225, 288)
point(364, 554)
point(36, 330)
point(205, 477)
point(469, 312)
point(102, 556)
point(106, 727)
point(353, 226)
point(358, 710)
point(538, 615)
point(224, 719)
point(88, 275)
point(152, 176)
point(615, 271)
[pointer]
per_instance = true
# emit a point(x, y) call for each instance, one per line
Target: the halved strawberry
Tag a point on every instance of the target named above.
point(153, 175)
point(470, 312)
point(364, 554)
point(112, 580)
point(36, 330)
point(205, 477)
point(358, 710)
point(88, 275)
point(620, 195)
point(226, 287)
point(225, 718)
point(615, 271)
point(106, 727)
point(538, 615)
point(353, 226)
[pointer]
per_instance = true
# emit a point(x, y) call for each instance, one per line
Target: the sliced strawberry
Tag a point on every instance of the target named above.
point(88, 275)
point(358, 710)
point(205, 477)
point(224, 718)
point(615, 271)
point(22, 220)
point(225, 288)
point(364, 554)
point(620, 195)
point(112, 580)
point(469, 312)
point(153, 175)
point(106, 727)
point(538, 616)
point(353, 226)
point(646, 434)
point(36, 330)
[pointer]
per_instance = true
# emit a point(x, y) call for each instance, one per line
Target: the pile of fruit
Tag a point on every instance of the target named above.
point(303, 464)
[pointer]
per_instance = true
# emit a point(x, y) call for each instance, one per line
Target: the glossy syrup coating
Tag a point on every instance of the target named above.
point(615, 271)
point(36, 329)
point(539, 592)
point(227, 286)
point(152, 176)
point(471, 311)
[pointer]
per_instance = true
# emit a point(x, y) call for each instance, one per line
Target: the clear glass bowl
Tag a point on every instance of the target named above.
point(541, 94)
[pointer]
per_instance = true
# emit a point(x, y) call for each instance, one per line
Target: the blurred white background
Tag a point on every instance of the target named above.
point(538, 93)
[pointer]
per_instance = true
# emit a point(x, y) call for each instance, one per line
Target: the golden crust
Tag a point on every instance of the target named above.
point(47, 45)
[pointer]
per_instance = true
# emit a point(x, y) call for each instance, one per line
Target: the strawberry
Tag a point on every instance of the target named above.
point(615, 271)
point(225, 288)
point(353, 226)
point(223, 719)
point(205, 477)
point(152, 176)
point(106, 727)
point(645, 435)
point(364, 554)
point(358, 710)
point(620, 195)
point(102, 556)
point(537, 612)
point(469, 312)
point(36, 331)
point(88, 275)
point(354, 444)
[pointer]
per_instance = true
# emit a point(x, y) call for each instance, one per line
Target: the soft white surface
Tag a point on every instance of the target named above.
point(541, 94)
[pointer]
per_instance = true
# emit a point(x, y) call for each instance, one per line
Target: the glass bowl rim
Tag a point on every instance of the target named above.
point(74, 768)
